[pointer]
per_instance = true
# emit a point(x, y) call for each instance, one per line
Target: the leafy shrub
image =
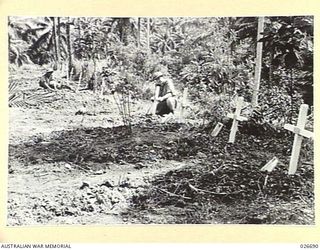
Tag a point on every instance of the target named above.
point(277, 106)
point(18, 53)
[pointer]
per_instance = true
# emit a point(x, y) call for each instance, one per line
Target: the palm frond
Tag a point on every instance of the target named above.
point(13, 85)
point(14, 93)
point(13, 97)
point(18, 104)
point(43, 39)
point(39, 97)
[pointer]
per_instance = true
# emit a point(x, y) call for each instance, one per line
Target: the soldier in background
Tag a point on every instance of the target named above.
point(165, 94)
point(48, 81)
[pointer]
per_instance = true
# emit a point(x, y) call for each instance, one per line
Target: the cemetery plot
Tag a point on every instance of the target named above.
point(212, 176)
point(224, 184)
point(160, 120)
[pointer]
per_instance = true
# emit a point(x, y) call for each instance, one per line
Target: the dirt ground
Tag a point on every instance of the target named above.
point(67, 192)
point(71, 168)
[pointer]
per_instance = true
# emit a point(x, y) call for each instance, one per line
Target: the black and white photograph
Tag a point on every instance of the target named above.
point(160, 120)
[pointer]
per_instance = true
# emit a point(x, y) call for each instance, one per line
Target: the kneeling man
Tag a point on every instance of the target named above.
point(165, 94)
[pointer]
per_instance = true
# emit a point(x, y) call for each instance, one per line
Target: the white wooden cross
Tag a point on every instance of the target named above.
point(236, 118)
point(300, 132)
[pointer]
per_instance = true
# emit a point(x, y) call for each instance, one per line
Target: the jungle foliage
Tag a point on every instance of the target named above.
point(214, 57)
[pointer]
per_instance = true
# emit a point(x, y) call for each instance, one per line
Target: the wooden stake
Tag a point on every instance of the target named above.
point(236, 118)
point(270, 165)
point(265, 181)
point(183, 104)
point(299, 132)
point(257, 73)
point(217, 129)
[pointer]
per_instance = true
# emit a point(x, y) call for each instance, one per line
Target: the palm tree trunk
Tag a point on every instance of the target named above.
point(148, 35)
point(69, 47)
point(9, 34)
point(59, 38)
point(125, 30)
point(79, 26)
point(54, 37)
point(138, 32)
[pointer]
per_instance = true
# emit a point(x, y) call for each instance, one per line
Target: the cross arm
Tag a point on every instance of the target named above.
point(237, 117)
point(241, 118)
point(299, 131)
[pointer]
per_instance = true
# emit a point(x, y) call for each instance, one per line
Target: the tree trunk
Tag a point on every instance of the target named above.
point(59, 38)
point(54, 37)
point(9, 34)
point(138, 32)
point(79, 30)
point(257, 73)
point(148, 35)
point(291, 94)
point(69, 46)
point(120, 29)
point(271, 67)
point(125, 30)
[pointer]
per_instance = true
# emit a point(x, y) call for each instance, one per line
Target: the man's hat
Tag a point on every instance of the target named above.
point(157, 75)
